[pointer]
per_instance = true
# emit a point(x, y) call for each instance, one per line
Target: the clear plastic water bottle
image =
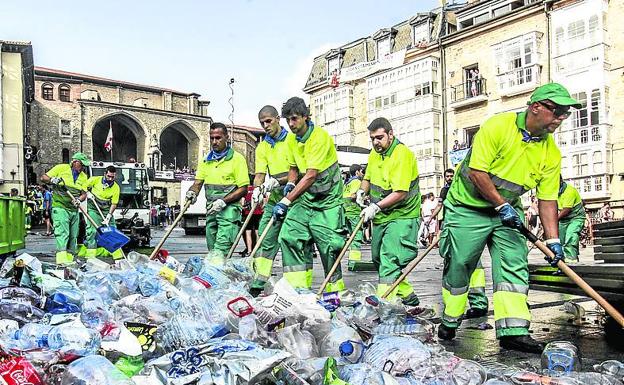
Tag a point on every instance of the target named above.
point(73, 339)
point(149, 285)
point(94, 370)
point(247, 327)
point(396, 355)
point(193, 266)
point(468, 373)
point(612, 368)
point(32, 335)
point(340, 298)
point(342, 341)
point(298, 342)
point(143, 264)
point(560, 357)
point(422, 330)
point(94, 312)
point(289, 377)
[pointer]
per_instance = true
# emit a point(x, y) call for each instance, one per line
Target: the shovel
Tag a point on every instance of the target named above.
point(170, 229)
point(408, 269)
point(97, 207)
point(106, 236)
point(341, 255)
point(575, 277)
point(242, 230)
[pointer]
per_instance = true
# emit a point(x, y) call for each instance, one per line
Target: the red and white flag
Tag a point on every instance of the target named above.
point(108, 145)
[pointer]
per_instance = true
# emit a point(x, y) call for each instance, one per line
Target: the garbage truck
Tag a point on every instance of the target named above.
point(194, 219)
point(133, 211)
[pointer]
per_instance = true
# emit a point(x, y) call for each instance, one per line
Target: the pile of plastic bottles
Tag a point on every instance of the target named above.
point(157, 322)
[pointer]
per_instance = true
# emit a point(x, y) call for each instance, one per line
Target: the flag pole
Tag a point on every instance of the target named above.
point(110, 124)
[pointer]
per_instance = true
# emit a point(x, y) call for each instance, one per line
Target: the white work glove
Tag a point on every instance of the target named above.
point(369, 212)
point(191, 196)
point(57, 181)
point(269, 184)
point(216, 207)
point(359, 198)
point(90, 195)
point(106, 220)
point(76, 202)
point(257, 194)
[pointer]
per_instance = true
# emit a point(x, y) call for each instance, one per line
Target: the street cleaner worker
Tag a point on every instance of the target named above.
point(105, 191)
point(352, 211)
point(391, 180)
point(65, 217)
point(571, 220)
point(274, 158)
point(225, 178)
point(512, 153)
point(312, 208)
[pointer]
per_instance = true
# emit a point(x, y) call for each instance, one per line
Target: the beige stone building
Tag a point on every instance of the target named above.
point(16, 94)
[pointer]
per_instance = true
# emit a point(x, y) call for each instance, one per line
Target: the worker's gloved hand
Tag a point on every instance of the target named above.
point(107, 220)
point(191, 196)
point(288, 188)
point(509, 216)
point(360, 198)
point(57, 181)
point(76, 202)
point(216, 207)
point(90, 195)
point(257, 194)
point(554, 245)
point(269, 184)
point(369, 212)
point(280, 210)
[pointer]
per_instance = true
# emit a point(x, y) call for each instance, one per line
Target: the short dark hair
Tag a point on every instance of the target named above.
point(380, 123)
point(449, 170)
point(111, 168)
point(354, 168)
point(295, 106)
point(218, 125)
point(269, 110)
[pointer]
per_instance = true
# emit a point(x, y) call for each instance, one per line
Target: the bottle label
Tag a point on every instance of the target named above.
point(167, 274)
point(18, 371)
point(206, 279)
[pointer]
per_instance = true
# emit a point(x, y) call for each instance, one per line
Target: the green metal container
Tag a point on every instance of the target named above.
point(12, 230)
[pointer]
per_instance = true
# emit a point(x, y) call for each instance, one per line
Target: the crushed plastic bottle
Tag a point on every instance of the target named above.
point(342, 341)
point(396, 355)
point(94, 370)
point(32, 336)
point(298, 342)
point(560, 357)
point(422, 330)
point(611, 367)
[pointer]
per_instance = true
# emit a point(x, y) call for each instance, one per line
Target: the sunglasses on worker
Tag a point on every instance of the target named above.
point(556, 110)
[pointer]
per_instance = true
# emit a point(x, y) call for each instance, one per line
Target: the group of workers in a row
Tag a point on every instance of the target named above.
point(310, 206)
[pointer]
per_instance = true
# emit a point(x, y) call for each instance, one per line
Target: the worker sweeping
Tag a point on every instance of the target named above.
point(274, 158)
point(571, 220)
point(67, 177)
point(511, 154)
point(312, 208)
point(352, 211)
point(103, 191)
point(225, 178)
point(391, 180)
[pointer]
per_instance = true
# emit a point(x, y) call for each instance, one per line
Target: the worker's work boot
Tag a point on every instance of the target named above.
point(474, 312)
point(446, 333)
point(411, 300)
point(524, 343)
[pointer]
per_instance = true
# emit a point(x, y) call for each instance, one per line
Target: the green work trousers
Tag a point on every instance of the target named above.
point(394, 246)
point(222, 228)
point(90, 242)
point(476, 293)
point(570, 234)
point(66, 226)
point(355, 252)
point(326, 229)
point(465, 234)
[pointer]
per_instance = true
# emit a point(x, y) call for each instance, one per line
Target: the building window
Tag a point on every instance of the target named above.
point(587, 185)
point(421, 34)
point(579, 164)
point(598, 183)
point(574, 140)
point(597, 160)
point(579, 116)
point(583, 136)
point(65, 154)
point(47, 91)
point(576, 32)
point(595, 107)
point(333, 65)
point(383, 48)
point(65, 127)
point(558, 40)
point(596, 134)
point(593, 29)
point(378, 103)
point(64, 93)
point(516, 61)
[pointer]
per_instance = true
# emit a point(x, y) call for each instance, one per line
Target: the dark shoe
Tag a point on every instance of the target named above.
point(524, 343)
point(411, 300)
point(254, 291)
point(474, 312)
point(446, 333)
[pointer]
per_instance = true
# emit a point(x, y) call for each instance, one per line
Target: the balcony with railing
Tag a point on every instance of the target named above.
point(468, 93)
point(519, 80)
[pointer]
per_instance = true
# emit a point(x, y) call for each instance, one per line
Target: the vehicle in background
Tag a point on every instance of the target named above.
point(194, 219)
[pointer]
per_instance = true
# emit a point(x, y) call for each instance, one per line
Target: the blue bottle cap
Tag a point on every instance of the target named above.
point(345, 348)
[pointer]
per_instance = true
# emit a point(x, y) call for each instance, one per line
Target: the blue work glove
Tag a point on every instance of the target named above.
point(279, 210)
point(554, 245)
point(509, 216)
point(288, 188)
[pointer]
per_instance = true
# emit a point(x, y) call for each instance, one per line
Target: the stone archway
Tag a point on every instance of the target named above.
point(179, 145)
point(128, 138)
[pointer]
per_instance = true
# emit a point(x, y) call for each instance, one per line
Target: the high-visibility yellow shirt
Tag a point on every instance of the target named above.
point(316, 150)
point(60, 198)
point(104, 195)
point(350, 189)
point(515, 166)
point(223, 176)
point(275, 161)
point(571, 199)
point(394, 170)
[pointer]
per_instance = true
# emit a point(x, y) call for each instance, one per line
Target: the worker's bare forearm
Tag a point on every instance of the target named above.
point(304, 184)
point(484, 184)
point(197, 185)
point(236, 195)
point(392, 199)
point(564, 213)
point(112, 209)
point(435, 212)
point(365, 186)
point(45, 178)
point(548, 216)
point(258, 179)
point(293, 175)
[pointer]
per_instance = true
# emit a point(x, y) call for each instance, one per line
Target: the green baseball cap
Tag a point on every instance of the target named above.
point(82, 158)
point(556, 93)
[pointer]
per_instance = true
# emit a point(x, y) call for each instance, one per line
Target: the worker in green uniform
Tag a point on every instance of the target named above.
point(571, 220)
point(274, 158)
point(352, 211)
point(391, 180)
point(225, 178)
point(105, 192)
point(65, 177)
point(317, 214)
point(512, 153)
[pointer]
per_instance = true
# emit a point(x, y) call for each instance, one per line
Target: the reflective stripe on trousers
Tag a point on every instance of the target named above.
point(322, 187)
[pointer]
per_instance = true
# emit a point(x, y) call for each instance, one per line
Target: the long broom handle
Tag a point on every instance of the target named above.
point(170, 229)
point(408, 269)
point(341, 255)
point(575, 277)
point(81, 209)
point(97, 206)
point(261, 239)
point(242, 230)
